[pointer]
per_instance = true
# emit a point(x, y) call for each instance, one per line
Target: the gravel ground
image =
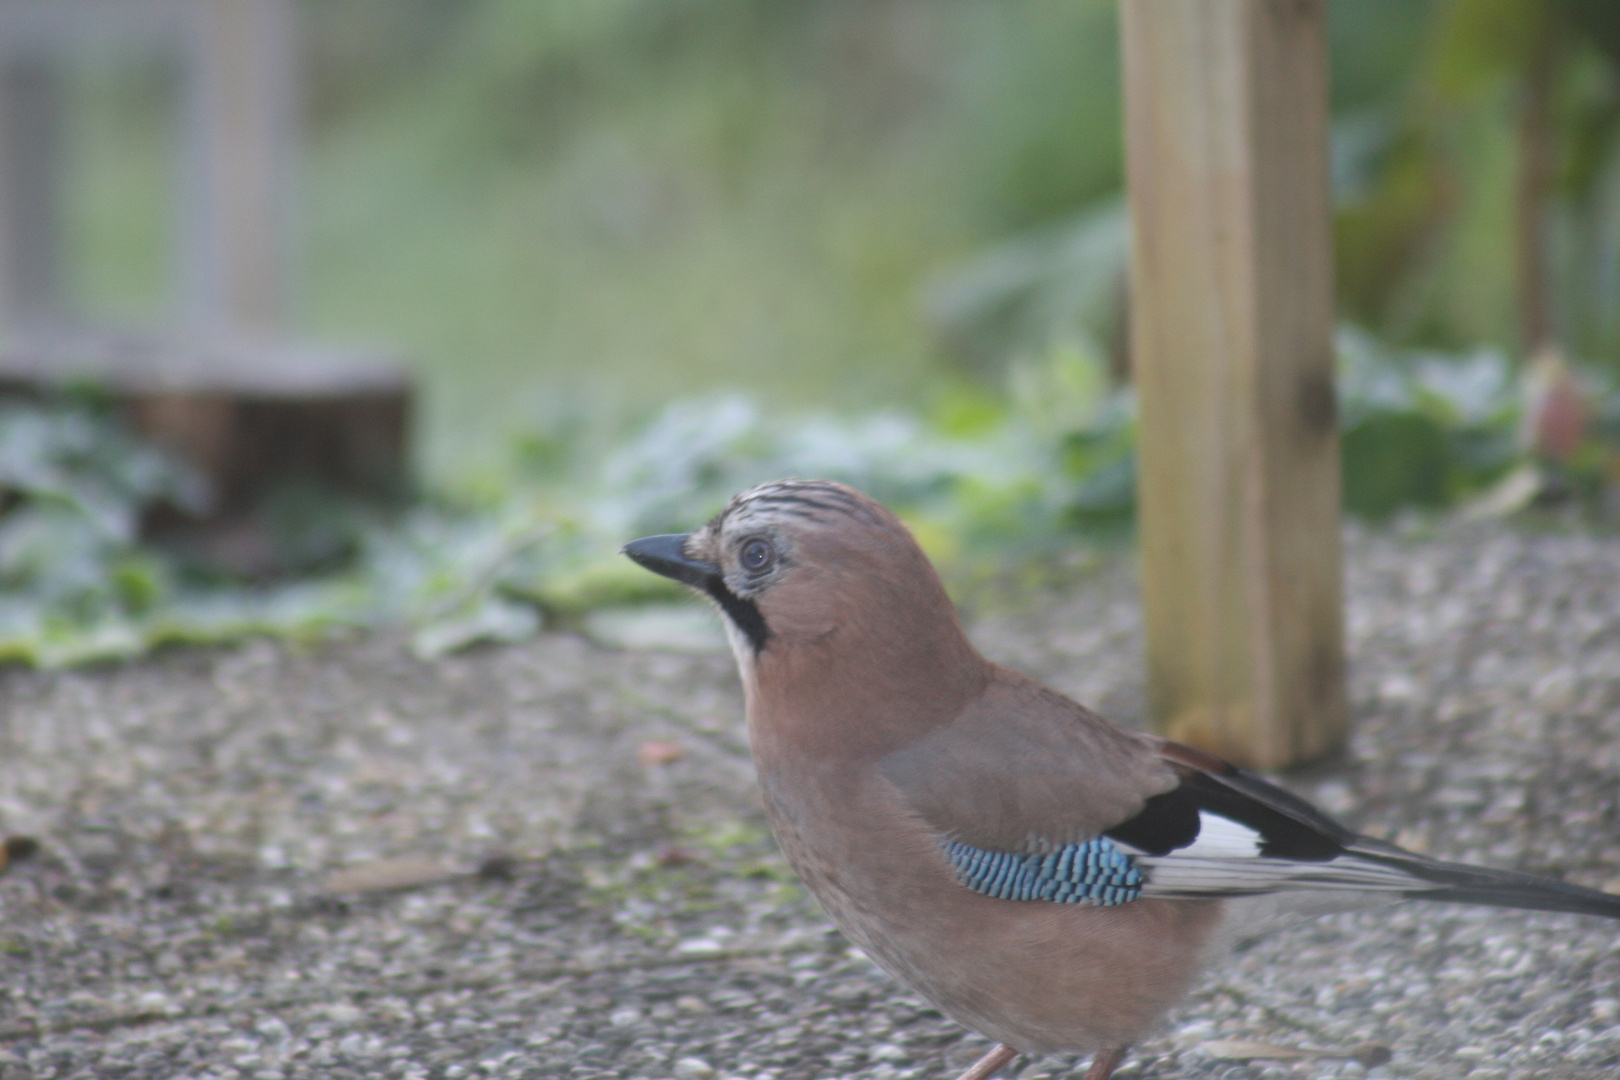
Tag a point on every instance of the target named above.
point(595, 896)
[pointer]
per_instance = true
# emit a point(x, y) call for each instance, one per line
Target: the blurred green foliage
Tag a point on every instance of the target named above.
point(1426, 430)
point(989, 482)
point(1429, 181)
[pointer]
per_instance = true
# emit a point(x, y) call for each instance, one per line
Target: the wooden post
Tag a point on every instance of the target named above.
point(1231, 340)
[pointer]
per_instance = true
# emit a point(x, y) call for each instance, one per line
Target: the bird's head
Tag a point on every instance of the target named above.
point(812, 577)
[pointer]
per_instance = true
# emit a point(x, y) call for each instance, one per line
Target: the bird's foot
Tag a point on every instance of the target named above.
point(986, 1066)
point(1104, 1064)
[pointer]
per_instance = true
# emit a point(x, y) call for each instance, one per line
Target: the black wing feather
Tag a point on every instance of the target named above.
point(1288, 826)
point(1293, 830)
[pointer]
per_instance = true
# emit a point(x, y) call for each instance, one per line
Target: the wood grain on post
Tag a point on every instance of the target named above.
point(1231, 341)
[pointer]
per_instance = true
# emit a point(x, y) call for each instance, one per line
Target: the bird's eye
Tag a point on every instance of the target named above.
point(757, 555)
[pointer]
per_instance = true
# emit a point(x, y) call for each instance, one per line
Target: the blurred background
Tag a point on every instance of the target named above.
point(636, 253)
point(562, 206)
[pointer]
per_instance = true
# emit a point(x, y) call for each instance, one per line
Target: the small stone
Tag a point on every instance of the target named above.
point(155, 1001)
point(692, 1068)
point(271, 1027)
point(343, 1014)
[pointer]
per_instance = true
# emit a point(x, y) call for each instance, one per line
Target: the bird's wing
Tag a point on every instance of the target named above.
point(1022, 769)
point(1225, 832)
point(1035, 797)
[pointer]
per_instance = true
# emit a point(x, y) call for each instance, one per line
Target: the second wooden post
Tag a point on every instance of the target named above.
point(1231, 345)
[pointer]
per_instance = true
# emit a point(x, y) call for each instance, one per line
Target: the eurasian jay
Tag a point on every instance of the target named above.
point(1047, 879)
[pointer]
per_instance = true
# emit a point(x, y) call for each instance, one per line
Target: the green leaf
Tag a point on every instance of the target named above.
point(1394, 460)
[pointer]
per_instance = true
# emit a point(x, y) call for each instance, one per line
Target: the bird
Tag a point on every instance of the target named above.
point(1044, 877)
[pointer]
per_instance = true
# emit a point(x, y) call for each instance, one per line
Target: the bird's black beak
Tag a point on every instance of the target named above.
point(667, 555)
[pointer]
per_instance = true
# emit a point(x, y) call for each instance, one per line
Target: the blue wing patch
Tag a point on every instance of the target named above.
point(1095, 872)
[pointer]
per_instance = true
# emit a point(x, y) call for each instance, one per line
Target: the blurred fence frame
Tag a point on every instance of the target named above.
point(238, 77)
point(217, 386)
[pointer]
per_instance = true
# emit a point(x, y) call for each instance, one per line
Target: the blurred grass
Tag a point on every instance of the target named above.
point(581, 209)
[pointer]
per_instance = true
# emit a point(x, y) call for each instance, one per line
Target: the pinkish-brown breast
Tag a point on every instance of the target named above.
point(1040, 976)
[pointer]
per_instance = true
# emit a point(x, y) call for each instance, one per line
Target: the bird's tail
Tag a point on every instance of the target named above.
point(1464, 884)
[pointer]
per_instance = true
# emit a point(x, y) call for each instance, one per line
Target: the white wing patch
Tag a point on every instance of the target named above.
point(1225, 860)
point(1222, 838)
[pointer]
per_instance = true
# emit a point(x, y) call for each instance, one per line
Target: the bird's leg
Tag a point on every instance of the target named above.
point(1104, 1064)
point(986, 1066)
